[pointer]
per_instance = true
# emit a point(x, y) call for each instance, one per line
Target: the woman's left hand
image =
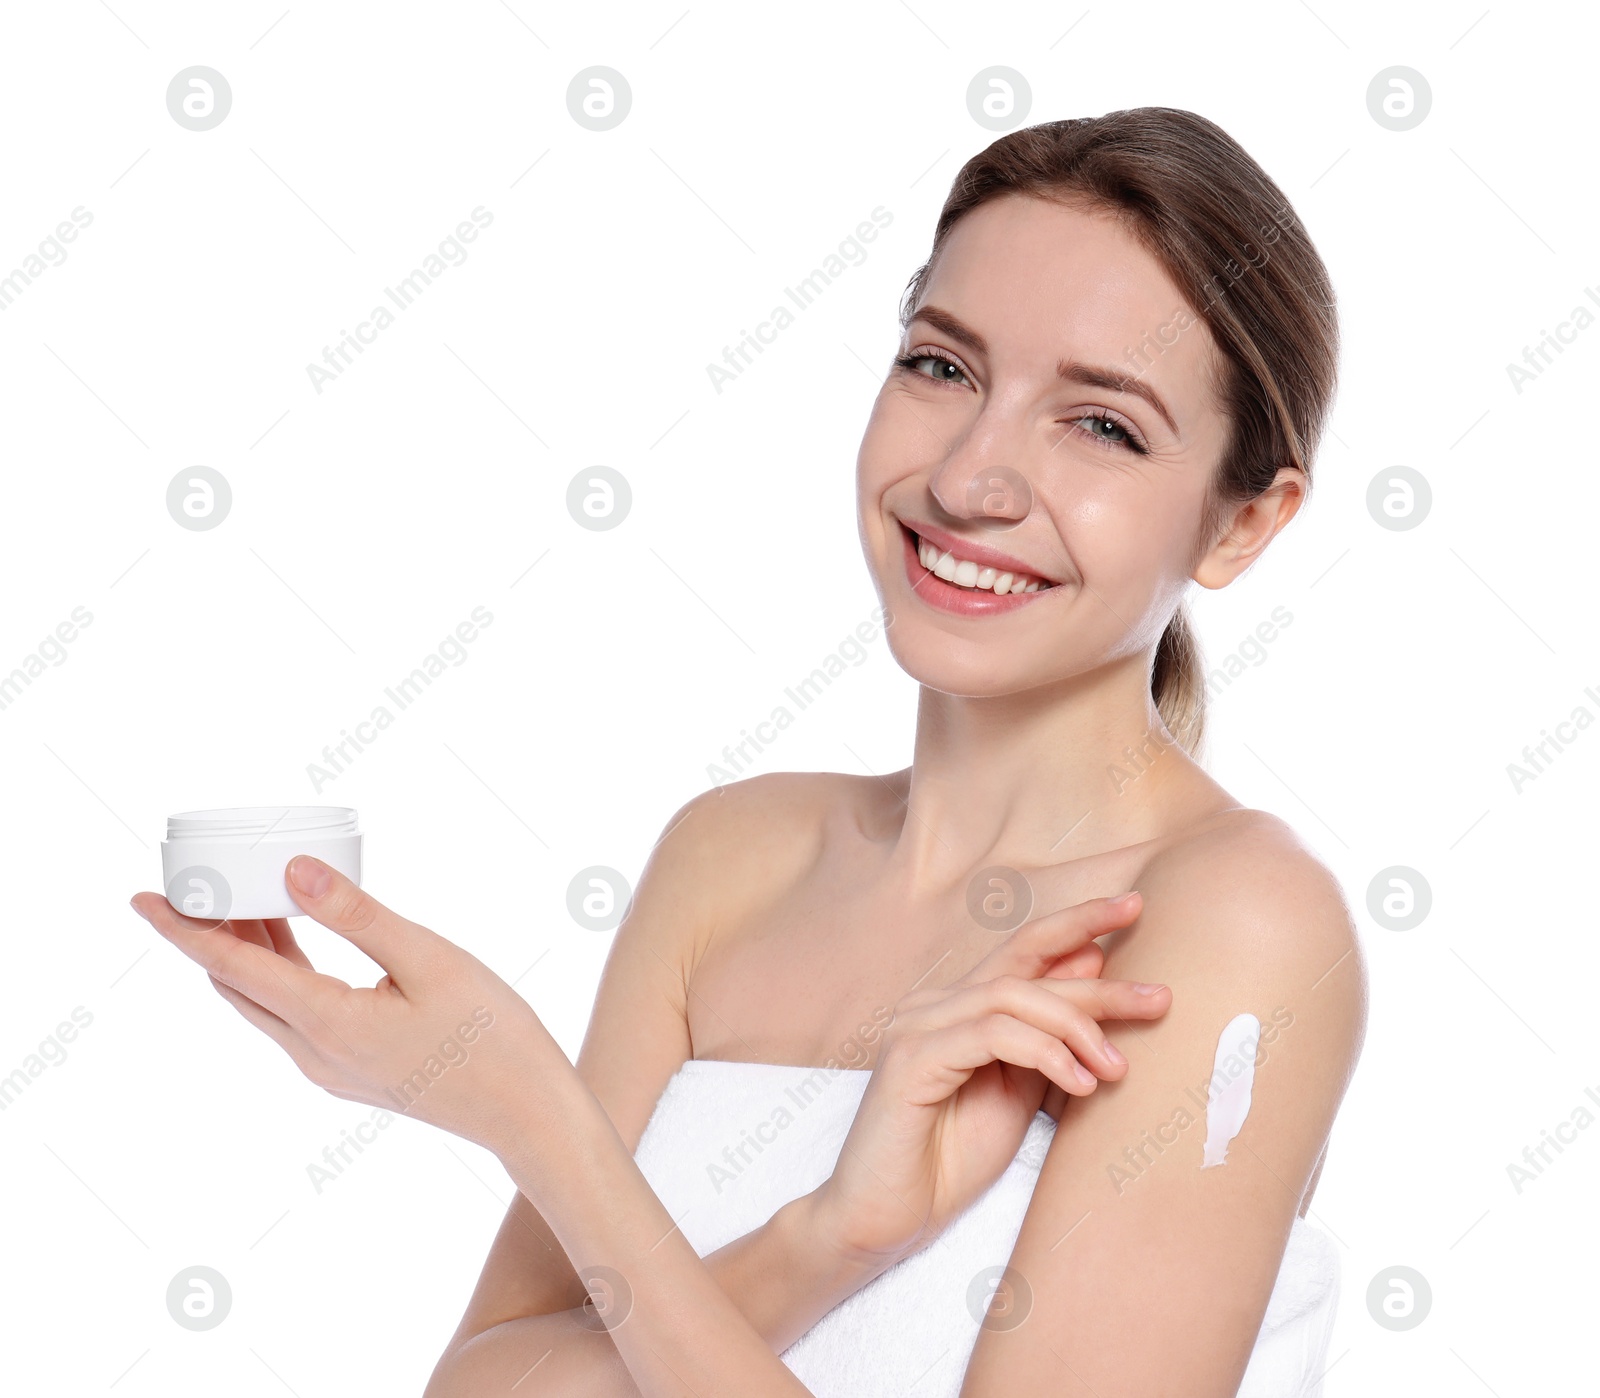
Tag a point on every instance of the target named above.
point(440, 1038)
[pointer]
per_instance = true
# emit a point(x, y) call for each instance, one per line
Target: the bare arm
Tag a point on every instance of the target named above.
point(572, 1353)
point(1147, 1271)
point(527, 1308)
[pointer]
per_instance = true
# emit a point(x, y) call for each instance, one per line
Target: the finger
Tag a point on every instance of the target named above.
point(1040, 943)
point(1000, 1038)
point(1069, 1011)
point(283, 941)
point(1085, 964)
point(1109, 1001)
point(284, 1035)
point(403, 948)
point(249, 929)
point(299, 996)
point(1114, 999)
point(272, 933)
point(1065, 1009)
point(1117, 1001)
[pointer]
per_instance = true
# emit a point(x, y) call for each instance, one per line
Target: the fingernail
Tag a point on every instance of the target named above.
point(1112, 1052)
point(1084, 1075)
point(1145, 989)
point(136, 907)
point(308, 875)
point(1122, 899)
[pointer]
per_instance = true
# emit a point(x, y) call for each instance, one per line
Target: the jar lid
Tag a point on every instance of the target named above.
point(262, 821)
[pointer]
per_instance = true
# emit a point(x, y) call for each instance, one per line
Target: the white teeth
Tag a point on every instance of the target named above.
point(964, 572)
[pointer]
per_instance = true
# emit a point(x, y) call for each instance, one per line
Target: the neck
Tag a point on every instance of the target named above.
point(1032, 779)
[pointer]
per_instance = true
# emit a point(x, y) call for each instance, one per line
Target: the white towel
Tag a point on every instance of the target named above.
point(730, 1143)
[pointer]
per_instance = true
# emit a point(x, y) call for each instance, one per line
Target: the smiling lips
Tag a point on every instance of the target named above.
point(968, 579)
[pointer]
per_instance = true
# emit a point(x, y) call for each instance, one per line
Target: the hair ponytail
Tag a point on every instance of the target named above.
point(1177, 683)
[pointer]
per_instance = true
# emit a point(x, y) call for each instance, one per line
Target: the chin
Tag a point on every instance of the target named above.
point(965, 668)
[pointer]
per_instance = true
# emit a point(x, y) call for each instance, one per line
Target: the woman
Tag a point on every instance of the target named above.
point(1114, 372)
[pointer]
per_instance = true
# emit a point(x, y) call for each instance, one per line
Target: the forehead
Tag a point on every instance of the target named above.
point(1042, 281)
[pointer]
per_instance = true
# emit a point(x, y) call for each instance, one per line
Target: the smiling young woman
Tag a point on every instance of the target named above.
point(1113, 375)
point(1099, 1029)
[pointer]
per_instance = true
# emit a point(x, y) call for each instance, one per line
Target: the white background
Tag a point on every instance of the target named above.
point(430, 478)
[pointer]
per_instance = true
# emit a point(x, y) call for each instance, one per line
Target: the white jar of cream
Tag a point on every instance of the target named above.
point(232, 862)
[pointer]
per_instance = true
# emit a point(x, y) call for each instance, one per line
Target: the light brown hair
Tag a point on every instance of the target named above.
point(1225, 234)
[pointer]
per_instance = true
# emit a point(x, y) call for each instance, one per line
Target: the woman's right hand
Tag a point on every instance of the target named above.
point(963, 1069)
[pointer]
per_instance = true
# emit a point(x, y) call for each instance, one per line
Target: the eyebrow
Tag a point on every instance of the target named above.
point(1072, 370)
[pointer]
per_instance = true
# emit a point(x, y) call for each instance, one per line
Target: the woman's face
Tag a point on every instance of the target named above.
point(1006, 442)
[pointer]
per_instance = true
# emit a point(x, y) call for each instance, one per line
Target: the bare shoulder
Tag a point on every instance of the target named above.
point(1248, 880)
point(717, 855)
point(733, 849)
point(1243, 911)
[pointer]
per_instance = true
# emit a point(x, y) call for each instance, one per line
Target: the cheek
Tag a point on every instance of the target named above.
point(871, 454)
point(898, 440)
point(1131, 544)
point(882, 461)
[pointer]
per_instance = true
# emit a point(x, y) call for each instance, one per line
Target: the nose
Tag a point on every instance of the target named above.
point(976, 483)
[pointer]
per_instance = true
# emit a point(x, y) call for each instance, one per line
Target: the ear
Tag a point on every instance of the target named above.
point(1249, 529)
